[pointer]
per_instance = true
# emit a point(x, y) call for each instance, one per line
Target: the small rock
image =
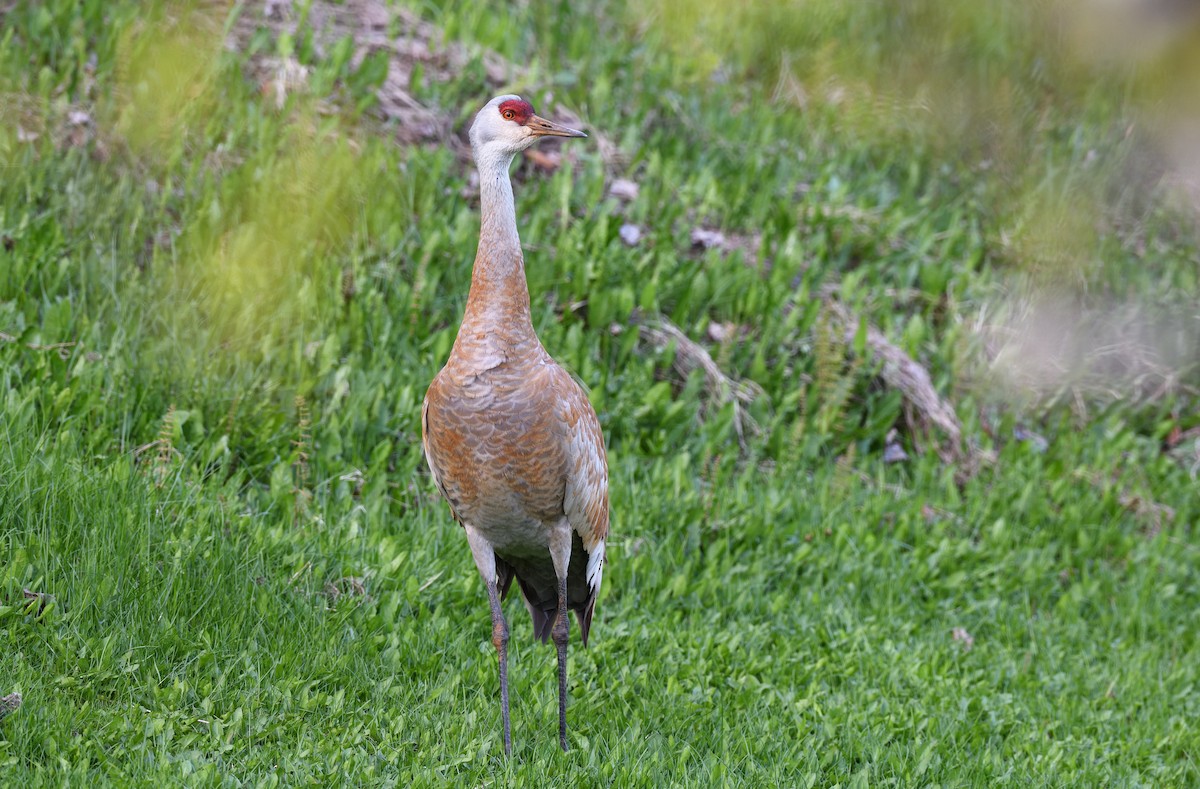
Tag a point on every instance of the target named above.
point(624, 189)
point(1039, 443)
point(720, 332)
point(9, 704)
point(894, 453)
point(79, 118)
point(707, 239)
point(43, 599)
point(630, 234)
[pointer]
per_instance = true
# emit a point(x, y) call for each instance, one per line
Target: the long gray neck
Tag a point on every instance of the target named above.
point(498, 304)
point(499, 226)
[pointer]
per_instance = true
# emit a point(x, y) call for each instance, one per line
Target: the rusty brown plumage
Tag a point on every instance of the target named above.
point(515, 449)
point(511, 439)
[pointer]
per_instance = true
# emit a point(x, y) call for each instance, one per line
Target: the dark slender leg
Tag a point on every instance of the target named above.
point(560, 633)
point(500, 641)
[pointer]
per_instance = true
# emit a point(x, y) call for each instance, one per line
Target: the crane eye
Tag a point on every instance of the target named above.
point(509, 115)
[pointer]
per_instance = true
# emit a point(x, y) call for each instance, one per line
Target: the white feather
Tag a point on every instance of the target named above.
point(595, 566)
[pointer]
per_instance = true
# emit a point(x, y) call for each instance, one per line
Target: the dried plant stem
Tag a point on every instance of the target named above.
point(660, 333)
point(903, 373)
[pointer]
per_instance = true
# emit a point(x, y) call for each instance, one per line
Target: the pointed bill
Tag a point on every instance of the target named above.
point(544, 128)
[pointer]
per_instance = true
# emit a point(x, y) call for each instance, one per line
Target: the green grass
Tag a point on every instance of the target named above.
point(219, 319)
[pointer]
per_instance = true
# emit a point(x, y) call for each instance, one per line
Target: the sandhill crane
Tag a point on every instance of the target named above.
point(511, 439)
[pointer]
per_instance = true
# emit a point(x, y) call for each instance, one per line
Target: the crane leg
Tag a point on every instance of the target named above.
point(560, 633)
point(500, 641)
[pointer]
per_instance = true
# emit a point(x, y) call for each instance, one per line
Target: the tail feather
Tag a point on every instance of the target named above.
point(542, 614)
point(583, 614)
point(539, 587)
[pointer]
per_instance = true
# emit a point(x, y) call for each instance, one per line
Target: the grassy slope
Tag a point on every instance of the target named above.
point(772, 618)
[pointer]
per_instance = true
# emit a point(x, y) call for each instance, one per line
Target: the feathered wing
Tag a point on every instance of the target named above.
point(429, 455)
point(573, 474)
point(585, 499)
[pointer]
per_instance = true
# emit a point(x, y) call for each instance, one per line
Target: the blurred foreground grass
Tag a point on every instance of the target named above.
point(222, 295)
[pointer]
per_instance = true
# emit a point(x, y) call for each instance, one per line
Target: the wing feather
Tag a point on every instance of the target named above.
point(429, 455)
point(585, 499)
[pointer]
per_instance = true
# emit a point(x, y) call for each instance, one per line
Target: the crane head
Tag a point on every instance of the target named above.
point(507, 124)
